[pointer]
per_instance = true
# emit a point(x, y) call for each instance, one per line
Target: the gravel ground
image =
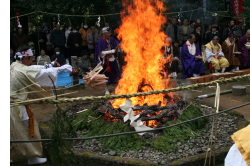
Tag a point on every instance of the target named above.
point(226, 126)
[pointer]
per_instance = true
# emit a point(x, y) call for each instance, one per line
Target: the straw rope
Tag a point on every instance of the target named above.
point(108, 97)
point(68, 15)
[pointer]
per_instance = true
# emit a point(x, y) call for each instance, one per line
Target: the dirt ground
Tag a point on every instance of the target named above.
point(44, 112)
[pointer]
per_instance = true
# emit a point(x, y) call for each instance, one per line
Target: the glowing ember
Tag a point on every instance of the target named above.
point(142, 41)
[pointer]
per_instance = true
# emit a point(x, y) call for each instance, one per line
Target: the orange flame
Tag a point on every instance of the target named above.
point(142, 41)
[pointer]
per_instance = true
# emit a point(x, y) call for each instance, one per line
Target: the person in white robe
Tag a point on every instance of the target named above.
point(23, 79)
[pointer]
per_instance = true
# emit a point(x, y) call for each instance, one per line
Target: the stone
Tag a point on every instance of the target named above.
point(180, 150)
point(178, 143)
point(163, 162)
point(146, 155)
point(199, 150)
point(112, 153)
point(123, 154)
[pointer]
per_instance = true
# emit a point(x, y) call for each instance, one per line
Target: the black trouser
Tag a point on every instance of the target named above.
point(174, 67)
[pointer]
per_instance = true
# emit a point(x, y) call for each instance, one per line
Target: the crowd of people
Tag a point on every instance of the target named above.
point(190, 47)
point(220, 49)
point(53, 50)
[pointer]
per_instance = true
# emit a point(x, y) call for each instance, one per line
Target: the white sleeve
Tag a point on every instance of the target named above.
point(52, 72)
point(44, 67)
point(209, 54)
point(221, 53)
point(234, 157)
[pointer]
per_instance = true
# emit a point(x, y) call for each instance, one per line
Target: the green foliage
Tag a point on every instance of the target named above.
point(60, 151)
point(96, 125)
point(167, 142)
point(72, 7)
point(246, 7)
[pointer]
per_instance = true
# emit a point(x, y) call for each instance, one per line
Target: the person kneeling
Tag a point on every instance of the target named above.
point(215, 55)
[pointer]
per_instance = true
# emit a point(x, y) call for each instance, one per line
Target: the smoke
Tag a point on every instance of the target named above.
point(186, 95)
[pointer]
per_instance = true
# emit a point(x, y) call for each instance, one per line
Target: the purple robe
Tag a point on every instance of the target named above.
point(191, 66)
point(245, 55)
point(114, 74)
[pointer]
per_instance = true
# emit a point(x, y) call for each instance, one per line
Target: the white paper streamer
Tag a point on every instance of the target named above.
point(138, 125)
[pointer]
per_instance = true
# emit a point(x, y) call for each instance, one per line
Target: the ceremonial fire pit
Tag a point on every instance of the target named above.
point(151, 115)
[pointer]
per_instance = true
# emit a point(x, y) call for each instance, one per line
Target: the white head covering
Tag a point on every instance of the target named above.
point(24, 53)
point(105, 29)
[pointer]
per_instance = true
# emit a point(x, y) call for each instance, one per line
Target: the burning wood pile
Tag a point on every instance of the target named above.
point(151, 115)
point(142, 41)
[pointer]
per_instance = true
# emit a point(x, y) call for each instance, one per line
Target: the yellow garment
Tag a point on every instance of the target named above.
point(84, 34)
point(20, 77)
point(219, 63)
point(242, 140)
point(212, 48)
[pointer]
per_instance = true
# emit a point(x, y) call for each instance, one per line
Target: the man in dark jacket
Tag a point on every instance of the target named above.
point(74, 42)
point(39, 39)
point(20, 39)
point(213, 32)
point(59, 56)
point(58, 39)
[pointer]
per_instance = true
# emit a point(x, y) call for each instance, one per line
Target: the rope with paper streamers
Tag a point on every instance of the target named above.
point(102, 15)
point(109, 97)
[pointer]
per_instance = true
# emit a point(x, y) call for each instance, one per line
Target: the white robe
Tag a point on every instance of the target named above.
point(20, 77)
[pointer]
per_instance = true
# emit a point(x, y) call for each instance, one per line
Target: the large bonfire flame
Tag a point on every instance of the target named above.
point(142, 41)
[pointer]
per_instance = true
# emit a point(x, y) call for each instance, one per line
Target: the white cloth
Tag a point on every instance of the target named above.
point(52, 72)
point(24, 53)
point(42, 75)
point(210, 54)
point(191, 48)
point(234, 157)
point(138, 125)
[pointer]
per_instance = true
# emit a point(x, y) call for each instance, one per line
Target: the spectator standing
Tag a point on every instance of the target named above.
point(74, 43)
point(184, 31)
point(58, 39)
point(43, 59)
point(242, 28)
point(173, 31)
point(226, 31)
point(197, 33)
point(67, 32)
point(59, 56)
point(92, 39)
point(191, 29)
point(213, 32)
point(84, 33)
point(20, 39)
point(39, 39)
point(49, 45)
point(12, 34)
point(198, 21)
